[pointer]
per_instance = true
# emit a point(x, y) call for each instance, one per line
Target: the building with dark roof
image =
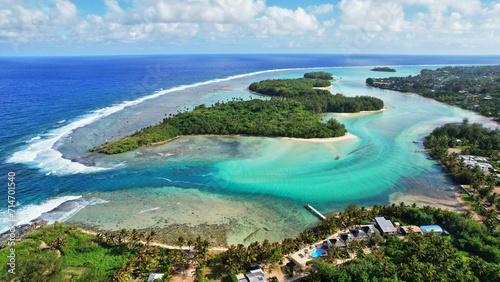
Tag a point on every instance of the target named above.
point(347, 237)
point(335, 241)
point(359, 234)
point(369, 230)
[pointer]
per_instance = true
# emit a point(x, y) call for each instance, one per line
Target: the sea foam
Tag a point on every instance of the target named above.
point(39, 152)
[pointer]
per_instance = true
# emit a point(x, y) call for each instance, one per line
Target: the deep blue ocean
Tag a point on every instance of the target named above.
point(41, 94)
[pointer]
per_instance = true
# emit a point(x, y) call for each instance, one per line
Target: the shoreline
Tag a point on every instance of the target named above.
point(361, 113)
point(324, 88)
point(347, 136)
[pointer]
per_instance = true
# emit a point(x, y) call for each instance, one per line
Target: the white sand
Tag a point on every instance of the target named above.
point(362, 113)
point(347, 136)
point(323, 88)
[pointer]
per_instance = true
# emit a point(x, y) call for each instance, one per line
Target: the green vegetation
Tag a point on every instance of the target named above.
point(80, 256)
point(257, 117)
point(474, 140)
point(294, 116)
point(319, 75)
point(473, 88)
point(386, 69)
point(316, 100)
point(467, 199)
point(472, 253)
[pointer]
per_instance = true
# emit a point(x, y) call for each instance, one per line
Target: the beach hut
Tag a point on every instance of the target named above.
point(431, 228)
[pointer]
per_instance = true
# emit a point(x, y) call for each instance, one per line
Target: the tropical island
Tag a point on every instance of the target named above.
point(319, 75)
point(475, 88)
point(293, 111)
point(386, 69)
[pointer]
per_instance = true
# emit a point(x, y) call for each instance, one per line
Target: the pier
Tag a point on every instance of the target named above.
point(421, 150)
point(317, 213)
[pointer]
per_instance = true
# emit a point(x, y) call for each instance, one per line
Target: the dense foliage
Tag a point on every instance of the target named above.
point(472, 253)
point(275, 117)
point(316, 100)
point(476, 139)
point(473, 139)
point(319, 75)
point(386, 69)
point(474, 88)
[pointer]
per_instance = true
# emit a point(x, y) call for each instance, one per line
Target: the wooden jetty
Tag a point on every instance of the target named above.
point(421, 150)
point(317, 213)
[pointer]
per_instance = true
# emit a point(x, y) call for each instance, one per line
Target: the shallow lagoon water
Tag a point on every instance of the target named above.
point(257, 182)
point(242, 189)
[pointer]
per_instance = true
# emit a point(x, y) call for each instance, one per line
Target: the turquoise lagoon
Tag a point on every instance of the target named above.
point(241, 189)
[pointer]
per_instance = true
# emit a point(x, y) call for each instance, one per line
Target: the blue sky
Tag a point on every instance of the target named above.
point(104, 27)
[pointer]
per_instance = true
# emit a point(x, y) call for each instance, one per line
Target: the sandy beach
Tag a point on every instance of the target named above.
point(447, 203)
point(362, 113)
point(347, 136)
point(323, 88)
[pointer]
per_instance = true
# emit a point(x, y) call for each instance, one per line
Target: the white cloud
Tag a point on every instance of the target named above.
point(320, 9)
point(372, 15)
point(329, 23)
point(491, 17)
point(281, 21)
point(205, 11)
point(21, 24)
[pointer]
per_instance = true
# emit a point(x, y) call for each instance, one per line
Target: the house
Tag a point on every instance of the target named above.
point(359, 234)
point(335, 241)
point(405, 230)
point(431, 228)
point(155, 276)
point(385, 226)
point(485, 167)
point(256, 275)
point(369, 230)
point(347, 237)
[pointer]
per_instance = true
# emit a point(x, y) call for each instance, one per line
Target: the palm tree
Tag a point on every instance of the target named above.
point(122, 236)
point(180, 242)
point(151, 236)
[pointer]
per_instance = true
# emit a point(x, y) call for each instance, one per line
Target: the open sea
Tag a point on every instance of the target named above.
point(227, 189)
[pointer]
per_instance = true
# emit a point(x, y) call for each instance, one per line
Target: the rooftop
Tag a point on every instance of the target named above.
point(385, 225)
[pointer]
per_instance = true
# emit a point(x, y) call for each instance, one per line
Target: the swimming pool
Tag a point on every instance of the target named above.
point(318, 253)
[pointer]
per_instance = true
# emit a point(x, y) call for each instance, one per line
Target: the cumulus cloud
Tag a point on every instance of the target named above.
point(23, 24)
point(320, 9)
point(491, 17)
point(372, 15)
point(361, 22)
point(281, 21)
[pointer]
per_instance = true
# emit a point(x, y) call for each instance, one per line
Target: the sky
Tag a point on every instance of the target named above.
point(130, 27)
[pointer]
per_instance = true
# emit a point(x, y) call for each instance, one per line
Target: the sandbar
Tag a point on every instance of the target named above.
point(362, 113)
point(347, 136)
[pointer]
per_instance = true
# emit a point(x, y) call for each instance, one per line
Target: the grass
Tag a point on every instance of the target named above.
point(467, 199)
point(81, 257)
